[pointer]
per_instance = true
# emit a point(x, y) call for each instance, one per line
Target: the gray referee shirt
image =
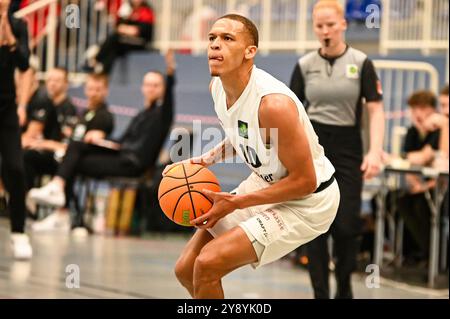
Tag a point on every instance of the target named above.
point(333, 89)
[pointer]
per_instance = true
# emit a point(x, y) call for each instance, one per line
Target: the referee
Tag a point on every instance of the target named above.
point(333, 83)
point(14, 53)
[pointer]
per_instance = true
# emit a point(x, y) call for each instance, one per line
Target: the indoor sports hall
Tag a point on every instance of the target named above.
point(101, 99)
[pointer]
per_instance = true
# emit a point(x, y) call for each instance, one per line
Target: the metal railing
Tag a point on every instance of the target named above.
point(284, 25)
point(399, 80)
point(414, 24)
point(56, 43)
point(41, 18)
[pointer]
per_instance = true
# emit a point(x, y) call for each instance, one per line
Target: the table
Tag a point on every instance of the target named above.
point(434, 205)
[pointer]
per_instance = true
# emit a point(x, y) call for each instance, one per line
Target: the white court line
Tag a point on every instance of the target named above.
point(420, 290)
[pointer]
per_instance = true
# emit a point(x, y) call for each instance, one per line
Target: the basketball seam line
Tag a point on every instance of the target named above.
point(189, 190)
point(185, 174)
point(203, 196)
point(176, 205)
point(185, 185)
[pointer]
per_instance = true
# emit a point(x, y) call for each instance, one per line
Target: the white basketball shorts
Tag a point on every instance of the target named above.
point(277, 229)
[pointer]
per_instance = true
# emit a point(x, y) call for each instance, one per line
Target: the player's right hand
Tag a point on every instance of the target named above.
point(193, 160)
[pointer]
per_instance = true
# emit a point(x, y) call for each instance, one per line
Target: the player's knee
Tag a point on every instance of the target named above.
point(183, 271)
point(207, 266)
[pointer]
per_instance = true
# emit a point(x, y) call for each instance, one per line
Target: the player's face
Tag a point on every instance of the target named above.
point(152, 87)
point(443, 101)
point(96, 92)
point(56, 83)
point(328, 26)
point(227, 44)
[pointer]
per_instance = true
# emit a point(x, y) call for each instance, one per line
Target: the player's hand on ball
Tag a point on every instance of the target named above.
point(223, 205)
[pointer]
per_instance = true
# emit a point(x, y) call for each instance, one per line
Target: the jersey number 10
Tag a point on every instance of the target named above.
point(250, 156)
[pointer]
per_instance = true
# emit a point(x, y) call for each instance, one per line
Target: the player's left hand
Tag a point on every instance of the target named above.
point(223, 205)
point(371, 165)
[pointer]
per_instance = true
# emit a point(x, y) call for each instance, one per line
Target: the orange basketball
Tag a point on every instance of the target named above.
point(180, 192)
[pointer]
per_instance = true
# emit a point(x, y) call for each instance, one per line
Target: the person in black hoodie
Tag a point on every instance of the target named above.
point(133, 154)
point(14, 54)
point(134, 31)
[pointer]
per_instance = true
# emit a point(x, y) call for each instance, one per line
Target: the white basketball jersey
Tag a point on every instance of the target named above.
point(241, 126)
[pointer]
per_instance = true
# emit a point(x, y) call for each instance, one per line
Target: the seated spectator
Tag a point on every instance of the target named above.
point(441, 161)
point(420, 146)
point(133, 154)
point(134, 31)
point(41, 120)
point(60, 116)
point(439, 121)
point(96, 123)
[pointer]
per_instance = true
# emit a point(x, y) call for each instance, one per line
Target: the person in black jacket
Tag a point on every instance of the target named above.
point(134, 31)
point(134, 153)
point(14, 54)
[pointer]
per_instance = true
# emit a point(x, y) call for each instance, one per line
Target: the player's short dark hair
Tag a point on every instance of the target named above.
point(444, 90)
point(99, 77)
point(422, 98)
point(248, 25)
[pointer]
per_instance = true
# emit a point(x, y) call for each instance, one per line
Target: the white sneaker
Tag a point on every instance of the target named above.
point(50, 194)
point(21, 247)
point(57, 221)
point(80, 232)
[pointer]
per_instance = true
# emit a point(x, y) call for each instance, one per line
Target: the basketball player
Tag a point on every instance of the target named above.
point(291, 196)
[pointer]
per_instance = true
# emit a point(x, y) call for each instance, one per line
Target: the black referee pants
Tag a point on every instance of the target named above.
point(343, 147)
point(12, 164)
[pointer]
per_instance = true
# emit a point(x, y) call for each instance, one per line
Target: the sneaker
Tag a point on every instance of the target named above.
point(50, 194)
point(58, 221)
point(21, 247)
point(80, 232)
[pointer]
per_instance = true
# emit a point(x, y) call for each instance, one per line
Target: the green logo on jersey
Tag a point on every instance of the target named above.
point(352, 71)
point(243, 129)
